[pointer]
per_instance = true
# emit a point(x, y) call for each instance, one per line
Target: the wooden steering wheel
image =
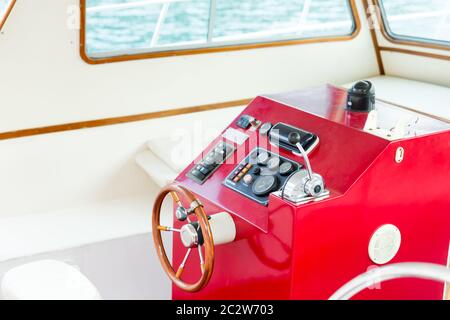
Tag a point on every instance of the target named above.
point(193, 235)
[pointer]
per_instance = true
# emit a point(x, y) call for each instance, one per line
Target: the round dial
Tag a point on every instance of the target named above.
point(264, 185)
point(273, 163)
point(263, 157)
point(265, 128)
point(286, 168)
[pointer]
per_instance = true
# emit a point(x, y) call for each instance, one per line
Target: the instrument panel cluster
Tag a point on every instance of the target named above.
point(259, 174)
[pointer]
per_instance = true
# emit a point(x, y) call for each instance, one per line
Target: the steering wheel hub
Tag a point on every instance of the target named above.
point(189, 236)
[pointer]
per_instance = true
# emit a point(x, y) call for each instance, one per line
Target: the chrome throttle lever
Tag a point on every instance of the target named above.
point(295, 138)
point(303, 185)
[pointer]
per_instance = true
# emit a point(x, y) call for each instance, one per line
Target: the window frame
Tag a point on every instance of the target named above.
point(7, 13)
point(231, 47)
point(404, 40)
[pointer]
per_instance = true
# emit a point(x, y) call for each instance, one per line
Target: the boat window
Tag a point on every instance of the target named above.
point(5, 8)
point(127, 27)
point(417, 20)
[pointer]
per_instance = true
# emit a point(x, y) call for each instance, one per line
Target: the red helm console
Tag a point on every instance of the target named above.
point(385, 199)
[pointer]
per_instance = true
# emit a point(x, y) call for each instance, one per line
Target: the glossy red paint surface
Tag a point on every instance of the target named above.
point(285, 251)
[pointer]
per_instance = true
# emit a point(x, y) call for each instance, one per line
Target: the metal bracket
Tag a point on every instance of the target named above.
point(194, 205)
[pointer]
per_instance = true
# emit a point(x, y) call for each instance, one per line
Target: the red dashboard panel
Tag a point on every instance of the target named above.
point(288, 251)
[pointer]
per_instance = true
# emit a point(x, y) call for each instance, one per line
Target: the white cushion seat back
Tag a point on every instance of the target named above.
point(47, 280)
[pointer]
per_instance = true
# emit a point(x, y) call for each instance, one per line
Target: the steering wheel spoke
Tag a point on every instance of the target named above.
point(164, 228)
point(176, 198)
point(202, 261)
point(183, 263)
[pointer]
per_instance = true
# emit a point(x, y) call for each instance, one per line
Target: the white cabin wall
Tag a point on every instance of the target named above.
point(418, 68)
point(43, 80)
point(53, 172)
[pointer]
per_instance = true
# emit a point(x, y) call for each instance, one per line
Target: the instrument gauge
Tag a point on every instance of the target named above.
point(286, 168)
point(263, 158)
point(273, 163)
point(264, 185)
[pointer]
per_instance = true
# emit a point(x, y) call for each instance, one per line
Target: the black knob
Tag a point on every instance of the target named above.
point(294, 137)
point(361, 97)
point(317, 189)
point(257, 170)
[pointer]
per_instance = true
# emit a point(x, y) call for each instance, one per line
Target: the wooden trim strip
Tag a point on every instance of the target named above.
point(8, 11)
point(416, 53)
point(119, 120)
point(373, 34)
point(383, 29)
point(149, 116)
point(150, 55)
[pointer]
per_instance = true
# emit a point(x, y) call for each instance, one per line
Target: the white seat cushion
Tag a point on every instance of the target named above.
point(156, 168)
point(47, 280)
point(420, 96)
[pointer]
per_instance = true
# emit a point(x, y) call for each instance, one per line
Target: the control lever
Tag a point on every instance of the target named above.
point(295, 138)
point(304, 183)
